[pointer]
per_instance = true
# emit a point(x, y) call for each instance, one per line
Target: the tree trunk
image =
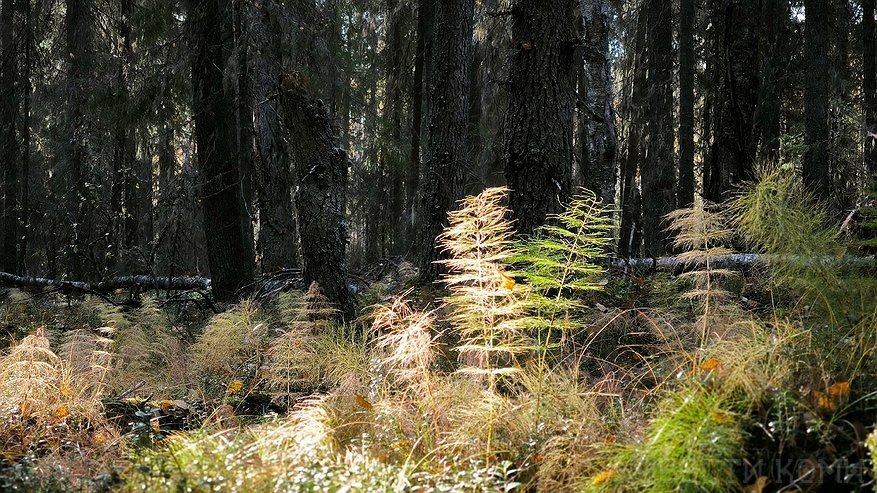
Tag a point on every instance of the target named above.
point(8, 139)
point(125, 166)
point(425, 10)
point(773, 67)
point(817, 66)
point(657, 169)
point(539, 123)
point(869, 87)
point(321, 168)
point(687, 16)
point(634, 99)
point(277, 225)
point(246, 132)
point(78, 34)
point(27, 87)
point(216, 135)
point(441, 179)
point(597, 114)
point(393, 154)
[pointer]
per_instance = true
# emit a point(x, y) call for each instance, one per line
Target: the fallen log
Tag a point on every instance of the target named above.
point(110, 285)
point(743, 261)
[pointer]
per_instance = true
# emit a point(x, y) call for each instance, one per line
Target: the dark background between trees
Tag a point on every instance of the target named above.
point(234, 138)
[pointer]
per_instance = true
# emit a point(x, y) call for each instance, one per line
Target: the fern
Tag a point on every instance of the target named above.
point(311, 351)
point(701, 234)
point(408, 344)
point(561, 263)
point(488, 306)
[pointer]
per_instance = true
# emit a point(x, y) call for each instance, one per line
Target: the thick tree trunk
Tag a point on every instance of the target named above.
point(734, 54)
point(869, 86)
point(817, 66)
point(277, 226)
point(78, 34)
point(539, 123)
point(216, 134)
point(687, 16)
point(321, 168)
point(597, 112)
point(630, 234)
point(8, 140)
point(441, 179)
point(657, 169)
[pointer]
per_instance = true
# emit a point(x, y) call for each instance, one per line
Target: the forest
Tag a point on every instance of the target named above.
point(438, 245)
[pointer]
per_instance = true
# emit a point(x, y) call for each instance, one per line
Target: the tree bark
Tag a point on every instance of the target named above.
point(539, 123)
point(636, 89)
point(869, 86)
point(216, 134)
point(687, 16)
point(817, 66)
point(321, 169)
point(597, 112)
point(8, 139)
point(657, 169)
point(277, 225)
point(78, 34)
point(441, 179)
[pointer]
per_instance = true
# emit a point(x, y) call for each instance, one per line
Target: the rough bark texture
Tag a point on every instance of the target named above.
point(78, 35)
point(596, 109)
point(441, 179)
point(869, 85)
point(321, 169)
point(817, 88)
point(277, 233)
point(657, 169)
point(634, 98)
point(734, 95)
point(216, 134)
point(8, 140)
point(539, 123)
point(687, 16)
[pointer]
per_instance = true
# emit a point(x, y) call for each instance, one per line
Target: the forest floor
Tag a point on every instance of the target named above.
point(532, 368)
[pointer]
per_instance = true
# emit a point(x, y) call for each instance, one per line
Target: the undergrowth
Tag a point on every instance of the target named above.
point(536, 368)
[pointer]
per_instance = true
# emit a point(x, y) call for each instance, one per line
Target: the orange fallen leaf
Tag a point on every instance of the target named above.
point(710, 364)
point(234, 387)
point(823, 402)
point(603, 477)
point(507, 282)
point(841, 390)
point(363, 402)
